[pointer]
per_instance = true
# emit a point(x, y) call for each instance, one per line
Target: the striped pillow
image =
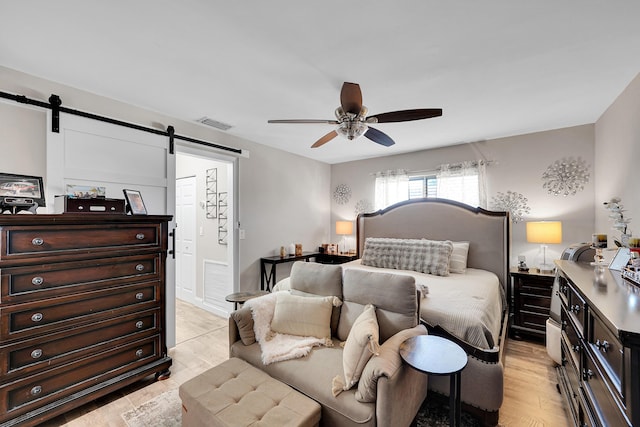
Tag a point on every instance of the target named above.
point(421, 255)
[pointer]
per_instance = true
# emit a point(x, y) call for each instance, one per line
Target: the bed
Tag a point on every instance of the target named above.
point(467, 307)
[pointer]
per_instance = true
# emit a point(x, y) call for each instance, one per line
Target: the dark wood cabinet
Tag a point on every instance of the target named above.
point(600, 371)
point(82, 310)
point(531, 303)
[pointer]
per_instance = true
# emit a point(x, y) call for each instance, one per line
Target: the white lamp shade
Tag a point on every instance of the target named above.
point(544, 232)
point(344, 227)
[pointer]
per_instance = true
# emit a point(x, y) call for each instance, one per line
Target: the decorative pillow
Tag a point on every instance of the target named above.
point(361, 344)
point(458, 263)
point(303, 316)
point(421, 255)
point(244, 322)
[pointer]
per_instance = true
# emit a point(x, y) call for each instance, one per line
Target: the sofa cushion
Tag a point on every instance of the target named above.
point(394, 296)
point(244, 323)
point(310, 278)
point(303, 316)
point(312, 376)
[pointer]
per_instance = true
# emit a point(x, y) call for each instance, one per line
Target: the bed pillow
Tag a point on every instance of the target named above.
point(303, 316)
point(458, 263)
point(421, 255)
point(361, 344)
point(244, 323)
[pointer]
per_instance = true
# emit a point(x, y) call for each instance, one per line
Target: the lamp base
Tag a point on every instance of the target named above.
point(547, 268)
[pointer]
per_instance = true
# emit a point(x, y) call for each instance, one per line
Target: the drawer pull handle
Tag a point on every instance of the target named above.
point(603, 346)
point(588, 374)
point(37, 281)
point(139, 295)
point(576, 348)
point(36, 317)
point(36, 354)
point(575, 309)
point(140, 236)
point(37, 241)
point(139, 324)
point(36, 390)
point(139, 267)
point(139, 353)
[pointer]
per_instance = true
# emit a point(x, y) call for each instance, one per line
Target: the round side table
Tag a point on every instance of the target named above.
point(438, 356)
point(242, 297)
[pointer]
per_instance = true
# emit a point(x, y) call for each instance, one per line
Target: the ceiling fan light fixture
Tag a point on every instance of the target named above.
point(352, 130)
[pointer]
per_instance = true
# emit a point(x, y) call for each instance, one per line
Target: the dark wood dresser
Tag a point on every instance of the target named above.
point(600, 372)
point(82, 309)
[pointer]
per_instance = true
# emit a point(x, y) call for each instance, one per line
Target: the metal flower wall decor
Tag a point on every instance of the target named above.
point(565, 177)
point(363, 206)
point(514, 203)
point(342, 194)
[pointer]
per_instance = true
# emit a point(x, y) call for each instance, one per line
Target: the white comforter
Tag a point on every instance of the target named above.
point(469, 306)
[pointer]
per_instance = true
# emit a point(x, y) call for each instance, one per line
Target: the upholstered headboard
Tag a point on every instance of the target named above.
point(486, 231)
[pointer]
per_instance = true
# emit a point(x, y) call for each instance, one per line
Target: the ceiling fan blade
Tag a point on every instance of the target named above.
point(303, 121)
point(328, 137)
point(351, 98)
point(379, 137)
point(405, 115)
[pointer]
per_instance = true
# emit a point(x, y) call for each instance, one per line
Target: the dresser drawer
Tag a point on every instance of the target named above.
point(605, 407)
point(532, 320)
point(28, 319)
point(576, 308)
point(55, 349)
point(35, 242)
point(572, 372)
point(608, 350)
point(56, 279)
point(571, 337)
point(55, 384)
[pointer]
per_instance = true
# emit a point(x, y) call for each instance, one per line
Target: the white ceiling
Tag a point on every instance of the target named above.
point(496, 68)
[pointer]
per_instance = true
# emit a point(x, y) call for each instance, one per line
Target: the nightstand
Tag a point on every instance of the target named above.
point(531, 301)
point(335, 258)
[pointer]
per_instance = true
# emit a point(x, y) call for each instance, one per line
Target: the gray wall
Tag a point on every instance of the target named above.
point(617, 154)
point(517, 165)
point(284, 198)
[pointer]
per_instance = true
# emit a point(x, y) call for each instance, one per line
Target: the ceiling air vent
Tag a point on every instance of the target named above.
point(214, 123)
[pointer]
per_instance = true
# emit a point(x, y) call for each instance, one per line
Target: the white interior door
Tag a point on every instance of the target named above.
point(185, 239)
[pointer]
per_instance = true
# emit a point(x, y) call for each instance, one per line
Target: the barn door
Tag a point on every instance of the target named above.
point(94, 153)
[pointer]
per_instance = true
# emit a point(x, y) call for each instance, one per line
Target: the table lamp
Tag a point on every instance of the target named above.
point(544, 232)
point(344, 228)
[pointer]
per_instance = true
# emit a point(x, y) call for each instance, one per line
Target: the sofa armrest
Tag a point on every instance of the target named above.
point(397, 389)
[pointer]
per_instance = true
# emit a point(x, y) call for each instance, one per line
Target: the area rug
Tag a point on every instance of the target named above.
point(435, 413)
point(165, 410)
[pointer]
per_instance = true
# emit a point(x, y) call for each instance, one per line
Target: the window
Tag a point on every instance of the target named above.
point(463, 182)
point(423, 186)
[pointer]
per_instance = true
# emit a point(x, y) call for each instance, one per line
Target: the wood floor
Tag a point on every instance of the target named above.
point(530, 395)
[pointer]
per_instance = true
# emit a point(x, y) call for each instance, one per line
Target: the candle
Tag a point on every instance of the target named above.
point(599, 241)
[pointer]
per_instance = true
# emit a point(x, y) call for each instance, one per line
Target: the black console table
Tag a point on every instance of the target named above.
point(268, 280)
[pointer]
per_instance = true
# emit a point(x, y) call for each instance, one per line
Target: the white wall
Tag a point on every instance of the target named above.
point(518, 165)
point(617, 154)
point(283, 198)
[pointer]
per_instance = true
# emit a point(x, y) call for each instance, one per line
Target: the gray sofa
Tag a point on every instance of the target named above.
point(391, 390)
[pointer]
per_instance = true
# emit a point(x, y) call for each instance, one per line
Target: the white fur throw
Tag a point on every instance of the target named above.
point(275, 346)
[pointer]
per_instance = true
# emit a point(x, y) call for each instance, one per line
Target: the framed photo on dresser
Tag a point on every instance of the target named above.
point(134, 202)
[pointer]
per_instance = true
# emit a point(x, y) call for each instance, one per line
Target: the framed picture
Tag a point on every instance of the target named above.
point(21, 189)
point(134, 202)
point(620, 259)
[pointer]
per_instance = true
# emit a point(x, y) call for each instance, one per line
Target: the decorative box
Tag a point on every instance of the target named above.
point(66, 204)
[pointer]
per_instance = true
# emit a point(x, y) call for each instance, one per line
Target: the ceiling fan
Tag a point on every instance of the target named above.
point(352, 119)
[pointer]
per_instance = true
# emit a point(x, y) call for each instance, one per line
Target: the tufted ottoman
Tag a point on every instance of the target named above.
point(235, 393)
